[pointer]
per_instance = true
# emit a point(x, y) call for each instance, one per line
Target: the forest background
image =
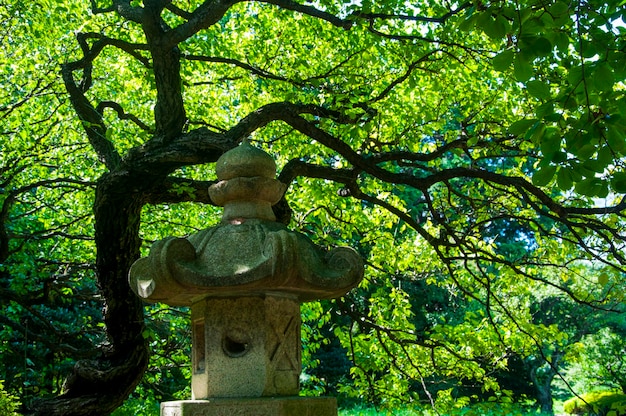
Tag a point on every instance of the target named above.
point(472, 152)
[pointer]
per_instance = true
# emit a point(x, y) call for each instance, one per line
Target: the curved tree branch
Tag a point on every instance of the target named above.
point(425, 19)
point(121, 113)
point(311, 11)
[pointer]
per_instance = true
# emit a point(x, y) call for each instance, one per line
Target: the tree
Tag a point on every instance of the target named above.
point(598, 361)
point(400, 128)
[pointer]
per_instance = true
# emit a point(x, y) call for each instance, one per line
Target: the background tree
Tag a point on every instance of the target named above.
point(598, 359)
point(406, 130)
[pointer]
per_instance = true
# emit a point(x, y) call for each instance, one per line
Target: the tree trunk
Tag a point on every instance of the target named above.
point(542, 373)
point(100, 386)
point(544, 396)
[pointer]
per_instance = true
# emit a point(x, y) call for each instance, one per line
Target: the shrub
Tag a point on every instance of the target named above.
point(134, 406)
point(602, 403)
point(8, 403)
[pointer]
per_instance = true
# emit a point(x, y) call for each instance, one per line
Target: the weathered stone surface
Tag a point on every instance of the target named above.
point(245, 259)
point(245, 198)
point(283, 406)
point(244, 280)
point(245, 161)
point(249, 253)
point(245, 347)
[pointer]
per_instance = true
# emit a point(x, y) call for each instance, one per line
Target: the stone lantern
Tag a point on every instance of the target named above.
point(244, 280)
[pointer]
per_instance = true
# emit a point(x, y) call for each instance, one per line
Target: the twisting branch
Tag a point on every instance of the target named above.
point(311, 11)
point(93, 123)
point(95, 9)
point(178, 11)
point(400, 156)
point(207, 14)
point(243, 65)
point(404, 76)
point(122, 114)
point(372, 28)
point(297, 167)
point(92, 119)
point(426, 19)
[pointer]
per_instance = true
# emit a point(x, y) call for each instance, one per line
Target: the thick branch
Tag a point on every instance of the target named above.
point(93, 123)
point(121, 113)
point(169, 111)
point(92, 119)
point(425, 19)
point(291, 117)
point(297, 167)
point(243, 65)
point(206, 15)
point(311, 11)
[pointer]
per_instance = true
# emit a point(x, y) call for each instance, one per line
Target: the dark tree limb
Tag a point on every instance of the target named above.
point(122, 114)
point(311, 11)
point(93, 123)
point(206, 15)
point(414, 18)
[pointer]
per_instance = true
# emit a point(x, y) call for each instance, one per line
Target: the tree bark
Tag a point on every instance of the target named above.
point(542, 374)
point(97, 387)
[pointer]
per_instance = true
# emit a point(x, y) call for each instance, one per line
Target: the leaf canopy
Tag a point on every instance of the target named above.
point(472, 152)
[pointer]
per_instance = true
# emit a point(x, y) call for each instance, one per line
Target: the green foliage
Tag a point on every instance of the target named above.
point(598, 359)
point(605, 403)
point(139, 404)
point(8, 402)
point(473, 153)
point(479, 409)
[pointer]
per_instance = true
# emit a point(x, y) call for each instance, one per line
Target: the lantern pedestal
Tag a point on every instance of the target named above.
point(265, 406)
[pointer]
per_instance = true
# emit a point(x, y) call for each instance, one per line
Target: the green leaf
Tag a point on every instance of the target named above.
point(603, 78)
point(618, 182)
point(538, 89)
point(616, 139)
point(520, 127)
point(585, 151)
point(468, 24)
point(494, 28)
point(575, 75)
point(564, 179)
point(522, 69)
point(543, 46)
point(590, 187)
point(605, 156)
point(603, 279)
point(546, 111)
point(536, 133)
point(544, 175)
point(559, 8)
point(533, 45)
point(551, 141)
point(594, 165)
point(562, 42)
point(589, 49)
point(503, 60)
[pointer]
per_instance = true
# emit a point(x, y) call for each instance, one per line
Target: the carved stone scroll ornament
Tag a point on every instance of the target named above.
point(243, 260)
point(249, 253)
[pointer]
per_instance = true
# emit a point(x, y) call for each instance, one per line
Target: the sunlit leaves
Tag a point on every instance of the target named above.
point(503, 60)
point(468, 143)
point(538, 89)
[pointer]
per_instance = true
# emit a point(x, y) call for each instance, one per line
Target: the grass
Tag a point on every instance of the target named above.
point(478, 409)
